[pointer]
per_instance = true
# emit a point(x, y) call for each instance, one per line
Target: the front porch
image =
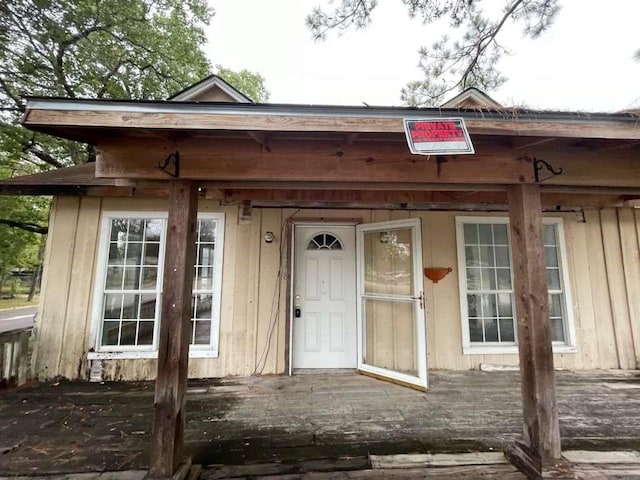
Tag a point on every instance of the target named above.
point(305, 422)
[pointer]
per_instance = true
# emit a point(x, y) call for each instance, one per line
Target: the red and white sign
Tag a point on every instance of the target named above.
point(438, 136)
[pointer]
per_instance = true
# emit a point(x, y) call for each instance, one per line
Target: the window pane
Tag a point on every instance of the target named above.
point(473, 306)
point(504, 278)
point(110, 333)
point(486, 256)
point(116, 253)
point(489, 306)
point(128, 333)
point(472, 255)
point(475, 330)
point(506, 330)
point(490, 330)
point(134, 254)
point(112, 305)
point(153, 229)
point(114, 278)
point(555, 306)
point(485, 234)
point(136, 229)
point(505, 306)
point(151, 254)
point(148, 306)
point(470, 234)
point(131, 278)
point(207, 230)
point(557, 332)
point(502, 257)
point(203, 306)
point(118, 229)
point(488, 278)
point(145, 333)
point(149, 278)
point(205, 255)
point(130, 306)
point(549, 234)
point(500, 234)
point(553, 279)
point(203, 332)
point(473, 279)
point(550, 257)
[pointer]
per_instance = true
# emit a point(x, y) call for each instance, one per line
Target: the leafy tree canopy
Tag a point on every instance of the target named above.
point(249, 83)
point(468, 59)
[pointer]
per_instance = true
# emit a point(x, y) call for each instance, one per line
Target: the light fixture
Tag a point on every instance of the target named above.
point(269, 237)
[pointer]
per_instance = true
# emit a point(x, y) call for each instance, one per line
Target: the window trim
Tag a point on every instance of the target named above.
point(468, 348)
point(99, 352)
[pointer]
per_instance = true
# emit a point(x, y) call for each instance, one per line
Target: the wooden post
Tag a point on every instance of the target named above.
point(541, 427)
point(175, 326)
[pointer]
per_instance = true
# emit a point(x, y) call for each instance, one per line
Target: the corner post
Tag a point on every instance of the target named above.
point(540, 411)
point(167, 450)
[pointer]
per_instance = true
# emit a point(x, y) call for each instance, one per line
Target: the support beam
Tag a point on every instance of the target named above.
point(167, 452)
point(541, 427)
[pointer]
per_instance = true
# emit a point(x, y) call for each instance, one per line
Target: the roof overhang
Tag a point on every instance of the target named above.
point(83, 120)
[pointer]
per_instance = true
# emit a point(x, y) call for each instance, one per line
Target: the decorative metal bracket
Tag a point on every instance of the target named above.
point(539, 164)
point(172, 159)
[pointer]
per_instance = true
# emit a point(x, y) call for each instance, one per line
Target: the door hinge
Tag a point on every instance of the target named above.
point(420, 298)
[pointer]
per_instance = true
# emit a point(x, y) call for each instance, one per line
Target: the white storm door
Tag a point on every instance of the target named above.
point(391, 320)
point(324, 297)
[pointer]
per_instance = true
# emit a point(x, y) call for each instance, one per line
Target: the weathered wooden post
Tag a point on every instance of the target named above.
point(541, 428)
point(167, 454)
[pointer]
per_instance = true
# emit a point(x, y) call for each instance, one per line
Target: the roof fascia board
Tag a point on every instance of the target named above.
point(156, 107)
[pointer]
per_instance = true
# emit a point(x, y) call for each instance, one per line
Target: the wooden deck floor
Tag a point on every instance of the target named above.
point(82, 427)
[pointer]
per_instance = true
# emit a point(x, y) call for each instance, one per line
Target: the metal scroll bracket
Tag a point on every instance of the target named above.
point(172, 160)
point(539, 164)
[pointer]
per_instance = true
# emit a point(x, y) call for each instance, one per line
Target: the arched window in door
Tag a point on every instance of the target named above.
point(324, 241)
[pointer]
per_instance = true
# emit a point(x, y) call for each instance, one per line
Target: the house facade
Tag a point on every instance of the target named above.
point(303, 273)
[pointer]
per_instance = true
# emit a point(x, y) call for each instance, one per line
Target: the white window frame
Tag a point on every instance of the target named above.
point(469, 348)
point(99, 352)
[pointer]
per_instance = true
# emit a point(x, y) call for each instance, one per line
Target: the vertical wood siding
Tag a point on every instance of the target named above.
point(603, 258)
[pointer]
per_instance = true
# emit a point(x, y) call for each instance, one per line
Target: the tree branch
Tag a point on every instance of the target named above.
point(45, 157)
point(28, 226)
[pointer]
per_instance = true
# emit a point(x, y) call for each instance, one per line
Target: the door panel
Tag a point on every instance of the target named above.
point(391, 333)
point(325, 333)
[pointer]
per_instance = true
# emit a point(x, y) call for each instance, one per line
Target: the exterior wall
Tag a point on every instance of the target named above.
point(603, 258)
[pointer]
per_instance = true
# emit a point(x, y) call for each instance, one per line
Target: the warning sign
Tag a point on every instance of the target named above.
point(444, 136)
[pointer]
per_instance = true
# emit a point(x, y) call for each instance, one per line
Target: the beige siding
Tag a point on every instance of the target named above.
point(603, 261)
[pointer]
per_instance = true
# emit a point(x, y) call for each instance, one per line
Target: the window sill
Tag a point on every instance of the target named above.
point(132, 355)
point(510, 349)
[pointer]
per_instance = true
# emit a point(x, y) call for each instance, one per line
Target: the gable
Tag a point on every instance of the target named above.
point(211, 89)
point(471, 98)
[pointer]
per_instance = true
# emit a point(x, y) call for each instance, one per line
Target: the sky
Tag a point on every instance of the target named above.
point(583, 63)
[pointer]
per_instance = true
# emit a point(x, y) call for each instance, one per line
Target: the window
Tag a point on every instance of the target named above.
point(486, 285)
point(324, 241)
point(129, 284)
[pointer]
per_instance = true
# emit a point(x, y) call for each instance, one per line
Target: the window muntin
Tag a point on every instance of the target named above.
point(324, 241)
point(489, 290)
point(130, 282)
point(487, 298)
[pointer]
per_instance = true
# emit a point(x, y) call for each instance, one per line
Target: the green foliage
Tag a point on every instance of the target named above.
point(141, 49)
point(468, 60)
point(249, 83)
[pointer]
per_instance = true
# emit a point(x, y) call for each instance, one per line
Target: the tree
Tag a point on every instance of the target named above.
point(249, 83)
point(119, 49)
point(451, 63)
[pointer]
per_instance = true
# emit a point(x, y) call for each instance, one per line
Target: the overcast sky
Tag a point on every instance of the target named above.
point(584, 62)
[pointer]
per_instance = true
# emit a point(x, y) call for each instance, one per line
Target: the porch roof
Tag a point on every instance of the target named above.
point(89, 120)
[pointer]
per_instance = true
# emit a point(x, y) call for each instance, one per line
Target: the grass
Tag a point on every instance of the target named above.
point(18, 301)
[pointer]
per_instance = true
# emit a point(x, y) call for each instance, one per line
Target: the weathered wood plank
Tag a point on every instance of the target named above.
point(541, 426)
point(167, 451)
point(631, 264)
point(617, 287)
point(317, 123)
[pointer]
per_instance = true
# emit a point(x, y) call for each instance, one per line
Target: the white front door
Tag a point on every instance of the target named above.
point(324, 297)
